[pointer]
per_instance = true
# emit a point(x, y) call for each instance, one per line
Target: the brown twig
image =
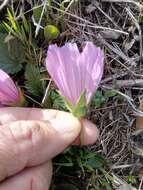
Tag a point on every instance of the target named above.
point(139, 5)
point(128, 83)
point(138, 28)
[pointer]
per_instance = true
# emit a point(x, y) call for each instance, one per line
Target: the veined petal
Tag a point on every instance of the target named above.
point(8, 90)
point(93, 67)
point(71, 69)
point(56, 68)
point(60, 63)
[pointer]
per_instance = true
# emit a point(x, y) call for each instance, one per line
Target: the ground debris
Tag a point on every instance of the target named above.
point(120, 184)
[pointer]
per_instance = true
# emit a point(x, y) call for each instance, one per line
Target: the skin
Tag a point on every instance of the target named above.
point(30, 138)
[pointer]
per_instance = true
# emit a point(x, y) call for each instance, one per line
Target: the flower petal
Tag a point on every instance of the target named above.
point(61, 66)
point(73, 72)
point(92, 62)
point(8, 90)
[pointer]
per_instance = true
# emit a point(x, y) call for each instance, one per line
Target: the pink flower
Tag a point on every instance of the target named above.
point(73, 72)
point(9, 93)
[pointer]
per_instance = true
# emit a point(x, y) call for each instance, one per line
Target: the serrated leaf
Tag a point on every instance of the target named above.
point(58, 102)
point(11, 55)
point(98, 99)
point(51, 32)
point(2, 28)
point(33, 83)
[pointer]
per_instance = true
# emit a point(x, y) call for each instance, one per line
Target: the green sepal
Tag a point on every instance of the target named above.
point(68, 104)
point(80, 109)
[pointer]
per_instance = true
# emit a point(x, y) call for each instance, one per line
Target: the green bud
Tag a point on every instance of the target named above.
point(51, 32)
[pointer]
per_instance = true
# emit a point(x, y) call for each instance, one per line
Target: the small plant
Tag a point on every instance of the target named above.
point(21, 31)
point(131, 179)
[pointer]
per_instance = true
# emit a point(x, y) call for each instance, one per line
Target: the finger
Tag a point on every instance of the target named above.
point(30, 143)
point(89, 131)
point(36, 178)
point(8, 114)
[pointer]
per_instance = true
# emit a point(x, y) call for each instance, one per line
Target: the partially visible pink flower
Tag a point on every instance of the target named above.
point(9, 93)
point(73, 72)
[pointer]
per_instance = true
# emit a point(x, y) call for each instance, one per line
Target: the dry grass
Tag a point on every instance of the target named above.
point(117, 26)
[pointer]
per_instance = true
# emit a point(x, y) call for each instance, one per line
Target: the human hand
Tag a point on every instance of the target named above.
point(30, 138)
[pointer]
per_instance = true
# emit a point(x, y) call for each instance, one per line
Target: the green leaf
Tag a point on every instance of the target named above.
point(51, 32)
point(26, 25)
point(98, 99)
point(95, 161)
point(37, 11)
point(11, 55)
point(132, 179)
point(9, 29)
point(11, 19)
point(2, 28)
point(110, 93)
point(33, 83)
point(58, 102)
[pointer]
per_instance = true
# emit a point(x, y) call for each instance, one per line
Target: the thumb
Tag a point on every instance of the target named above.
point(30, 143)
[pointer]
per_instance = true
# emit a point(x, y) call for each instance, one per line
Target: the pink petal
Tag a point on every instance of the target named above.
point(59, 64)
point(73, 71)
point(8, 90)
point(93, 67)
